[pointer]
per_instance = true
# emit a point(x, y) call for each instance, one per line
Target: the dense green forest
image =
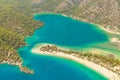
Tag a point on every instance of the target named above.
point(16, 22)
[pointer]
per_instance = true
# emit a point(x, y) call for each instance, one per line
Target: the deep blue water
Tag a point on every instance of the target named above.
point(65, 31)
point(59, 30)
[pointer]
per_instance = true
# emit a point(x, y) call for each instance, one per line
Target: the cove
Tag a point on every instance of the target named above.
point(65, 31)
point(62, 31)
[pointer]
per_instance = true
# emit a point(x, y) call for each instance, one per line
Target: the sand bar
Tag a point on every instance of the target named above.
point(103, 71)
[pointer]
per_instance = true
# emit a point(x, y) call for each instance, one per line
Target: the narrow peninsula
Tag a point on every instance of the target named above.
point(107, 66)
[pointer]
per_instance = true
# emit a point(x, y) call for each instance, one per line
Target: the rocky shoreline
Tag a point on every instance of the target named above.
point(21, 67)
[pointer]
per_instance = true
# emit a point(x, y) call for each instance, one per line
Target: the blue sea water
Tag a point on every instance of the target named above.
point(64, 31)
point(59, 30)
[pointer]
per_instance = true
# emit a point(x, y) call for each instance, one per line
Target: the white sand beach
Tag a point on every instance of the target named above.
point(103, 71)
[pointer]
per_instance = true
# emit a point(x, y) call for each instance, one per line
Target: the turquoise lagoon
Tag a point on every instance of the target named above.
point(61, 31)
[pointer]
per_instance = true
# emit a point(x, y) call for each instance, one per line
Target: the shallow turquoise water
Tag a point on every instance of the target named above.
point(61, 31)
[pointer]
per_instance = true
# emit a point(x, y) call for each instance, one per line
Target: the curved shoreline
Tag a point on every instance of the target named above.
point(98, 68)
point(76, 18)
point(103, 71)
point(106, 31)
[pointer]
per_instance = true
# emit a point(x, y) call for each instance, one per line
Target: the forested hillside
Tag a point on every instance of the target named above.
point(16, 22)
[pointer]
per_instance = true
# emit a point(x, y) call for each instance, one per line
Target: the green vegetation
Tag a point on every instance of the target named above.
point(102, 12)
point(9, 42)
point(109, 61)
point(16, 22)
